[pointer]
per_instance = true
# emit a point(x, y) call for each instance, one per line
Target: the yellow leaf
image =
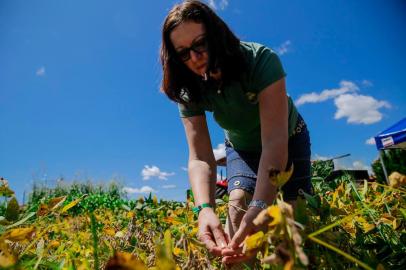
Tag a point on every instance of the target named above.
point(360, 220)
point(165, 264)
point(5, 190)
point(254, 241)
point(366, 227)
point(280, 178)
point(70, 205)
point(124, 260)
point(130, 214)
point(56, 202)
point(262, 218)
point(54, 244)
point(7, 260)
point(164, 257)
point(172, 220)
point(288, 265)
point(335, 194)
point(42, 210)
point(349, 227)
point(194, 231)
point(386, 221)
point(394, 224)
point(168, 244)
point(84, 266)
point(109, 231)
point(276, 214)
point(155, 200)
point(19, 234)
point(178, 252)
point(179, 211)
point(340, 189)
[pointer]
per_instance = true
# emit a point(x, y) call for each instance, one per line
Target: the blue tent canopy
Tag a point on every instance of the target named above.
point(393, 137)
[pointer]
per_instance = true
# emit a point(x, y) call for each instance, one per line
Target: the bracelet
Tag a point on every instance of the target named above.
point(198, 208)
point(258, 203)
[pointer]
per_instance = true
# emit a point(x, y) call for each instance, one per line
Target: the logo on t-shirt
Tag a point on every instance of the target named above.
point(252, 97)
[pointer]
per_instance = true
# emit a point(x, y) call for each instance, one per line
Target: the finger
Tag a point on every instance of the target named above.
point(231, 252)
point(239, 237)
point(236, 258)
point(211, 246)
point(219, 237)
point(227, 238)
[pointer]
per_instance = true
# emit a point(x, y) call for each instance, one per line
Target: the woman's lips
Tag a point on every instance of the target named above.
point(201, 67)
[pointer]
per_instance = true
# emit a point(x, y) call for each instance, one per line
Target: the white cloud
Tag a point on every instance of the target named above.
point(318, 157)
point(359, 109)
point(154, 171)
point(144, 189)
point(340, 164)
point(184, 169)
point(345, 87)
point(355, 165)
point(283, 48)
point(367, 83)
point(345, 164)
point(40, 72)
point(215, 4)
point(370, 141)
point(220, 151)
point(168, 186)
point(359, 165)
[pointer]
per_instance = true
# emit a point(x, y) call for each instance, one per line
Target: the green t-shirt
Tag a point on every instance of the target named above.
point(235, 108)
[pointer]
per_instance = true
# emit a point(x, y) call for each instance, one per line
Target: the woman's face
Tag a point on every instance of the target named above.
point(190, 43)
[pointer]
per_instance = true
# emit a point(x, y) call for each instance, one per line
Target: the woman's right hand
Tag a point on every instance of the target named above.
point(211, 232)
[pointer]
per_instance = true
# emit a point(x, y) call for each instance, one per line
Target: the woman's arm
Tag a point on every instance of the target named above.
point(202, 165)
point(273, 107)
point(202, 175)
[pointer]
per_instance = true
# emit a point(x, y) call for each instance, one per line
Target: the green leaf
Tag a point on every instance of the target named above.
point(364, 189)
point(311, 200)
point(13, 210)
point(403, 211)
point(139, 206)
point(300, 211)
point(6, 191)
point(21, 221)
point(125, 207)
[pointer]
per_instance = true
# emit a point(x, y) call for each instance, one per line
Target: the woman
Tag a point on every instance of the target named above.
point(207, 68)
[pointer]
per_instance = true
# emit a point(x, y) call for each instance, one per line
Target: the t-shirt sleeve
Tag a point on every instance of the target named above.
point(189, 110)
point(267, 69)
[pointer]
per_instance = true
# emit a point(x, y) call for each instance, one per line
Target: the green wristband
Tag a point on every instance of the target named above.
point(198, 208)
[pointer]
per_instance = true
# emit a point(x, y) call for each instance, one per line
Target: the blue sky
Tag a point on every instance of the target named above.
point(79, 85)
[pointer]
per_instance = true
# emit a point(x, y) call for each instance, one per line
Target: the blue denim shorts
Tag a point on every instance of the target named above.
point(242, 166)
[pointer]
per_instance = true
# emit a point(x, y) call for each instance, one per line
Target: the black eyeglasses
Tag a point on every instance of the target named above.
point(199, 46)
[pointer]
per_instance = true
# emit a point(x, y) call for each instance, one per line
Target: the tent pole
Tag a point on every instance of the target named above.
point(383, 166)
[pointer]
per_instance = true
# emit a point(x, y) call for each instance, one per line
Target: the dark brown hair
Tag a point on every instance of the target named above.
point(223, 50)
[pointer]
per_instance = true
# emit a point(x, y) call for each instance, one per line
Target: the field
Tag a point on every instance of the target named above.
point(344, 225)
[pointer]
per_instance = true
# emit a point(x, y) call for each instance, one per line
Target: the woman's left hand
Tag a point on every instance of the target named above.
point(233, 253)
